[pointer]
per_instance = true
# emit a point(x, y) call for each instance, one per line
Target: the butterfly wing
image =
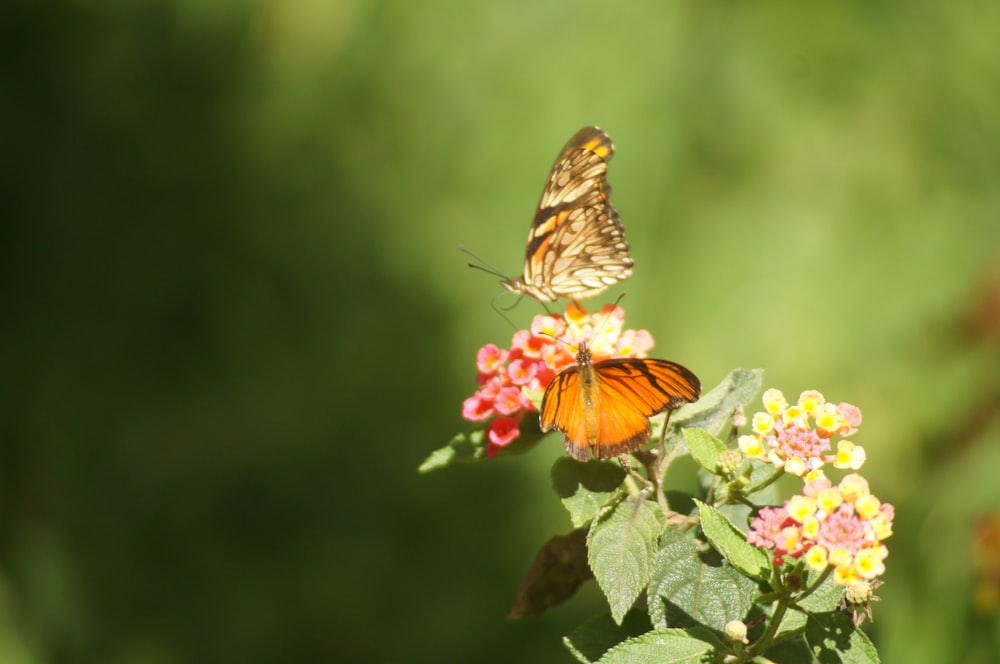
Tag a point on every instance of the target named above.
point(632, 391)
point(604, 409)
point(564, 408)
point(576, 245)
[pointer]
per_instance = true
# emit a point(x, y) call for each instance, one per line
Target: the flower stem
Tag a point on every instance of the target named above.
point(764, 642)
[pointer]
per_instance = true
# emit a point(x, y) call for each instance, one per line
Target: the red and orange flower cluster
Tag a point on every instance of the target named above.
point(841, 526)
point(511, 382)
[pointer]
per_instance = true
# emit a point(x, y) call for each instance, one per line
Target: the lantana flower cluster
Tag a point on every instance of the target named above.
point(841, 526)
point(512, 381)
point(798, 437)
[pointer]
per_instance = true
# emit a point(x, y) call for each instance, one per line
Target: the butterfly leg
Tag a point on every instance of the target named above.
point(647, 486)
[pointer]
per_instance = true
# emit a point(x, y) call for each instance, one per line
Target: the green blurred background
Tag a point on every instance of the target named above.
point(235, 318)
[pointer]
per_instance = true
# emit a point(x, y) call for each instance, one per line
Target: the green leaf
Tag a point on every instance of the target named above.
point(705, 449)
point(592, 639)
point(715, 408)
point(664, 646)
point(823, 600)
point(585, 488)
point(834, 639)
point(559, 569)
point(731, 542)
point(464, 447)
point(622, 550)
point(471, 447)
point(705, 594)
point(759, 472)
point(674, 438)
point(790, 652)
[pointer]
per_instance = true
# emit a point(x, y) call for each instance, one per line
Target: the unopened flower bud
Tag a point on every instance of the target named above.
point(859, 593)
point(730, 461)
point(736, 630)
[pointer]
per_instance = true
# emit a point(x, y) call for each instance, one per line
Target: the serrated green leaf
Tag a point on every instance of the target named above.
point(705, 594)
point(592, 639)
point(664, 646)
point(737, 513)
point(834, 639)
point(791, 625)
point(585, 488)
point(463, 447)
point(715, 408)
point(790, 652)
point(760, 472)
point(705, 449)
point(675, 548)
point(674, 437)
point(622, 548)
point(731, 542)
point(825, 598)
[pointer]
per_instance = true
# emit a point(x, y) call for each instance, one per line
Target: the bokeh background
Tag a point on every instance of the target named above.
point(236, 319)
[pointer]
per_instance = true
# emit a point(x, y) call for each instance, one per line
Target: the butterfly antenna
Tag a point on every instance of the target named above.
point(576, 349)
point(604, 323)
point(597, 330)
point(480, 264)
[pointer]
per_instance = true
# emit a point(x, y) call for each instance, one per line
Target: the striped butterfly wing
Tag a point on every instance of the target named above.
point(564, 408)
point(604, 409)
point(576, 245)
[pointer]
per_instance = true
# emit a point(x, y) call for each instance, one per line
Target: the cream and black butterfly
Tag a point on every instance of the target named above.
point(576, 245)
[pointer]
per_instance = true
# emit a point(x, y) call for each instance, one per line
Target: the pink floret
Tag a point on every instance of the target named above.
point(500, 433)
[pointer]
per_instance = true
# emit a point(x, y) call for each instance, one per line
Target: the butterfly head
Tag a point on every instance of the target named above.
point(521, 287)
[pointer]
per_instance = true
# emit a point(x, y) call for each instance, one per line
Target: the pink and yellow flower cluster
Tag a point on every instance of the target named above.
point(798, 437)
point(511, 382)
point(841, 526)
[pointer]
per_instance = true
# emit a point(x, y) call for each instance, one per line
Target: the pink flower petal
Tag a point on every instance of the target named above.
point(509, 401)
point(522, 371)
point(489, 358)
point(477, 408)
point(502, 431)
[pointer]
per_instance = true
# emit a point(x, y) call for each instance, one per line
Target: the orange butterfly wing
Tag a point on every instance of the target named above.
point(576, 245)
point(603, 409)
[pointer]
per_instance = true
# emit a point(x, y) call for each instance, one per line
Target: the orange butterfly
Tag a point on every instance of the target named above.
point(603, 408)
point(576, 246)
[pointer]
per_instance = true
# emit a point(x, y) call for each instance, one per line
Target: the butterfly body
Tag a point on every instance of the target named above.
point(576, 245)
point(603, 408)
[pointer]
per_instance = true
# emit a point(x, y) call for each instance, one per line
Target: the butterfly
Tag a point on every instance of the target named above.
point(603, 408)
point(576, 245)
